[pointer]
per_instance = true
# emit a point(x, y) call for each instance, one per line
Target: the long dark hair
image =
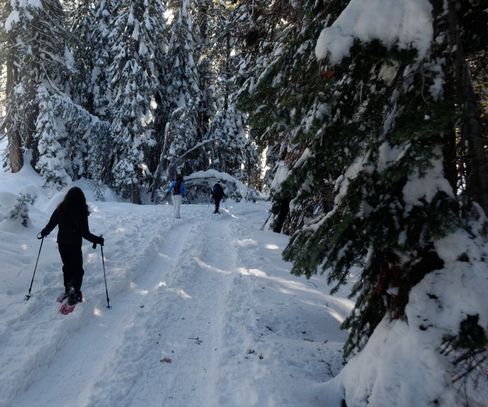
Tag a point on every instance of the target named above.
point(74, 202)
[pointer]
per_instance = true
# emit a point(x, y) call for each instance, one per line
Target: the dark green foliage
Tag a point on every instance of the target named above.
point(20, 212)
point(370, 214)
point(285, 97)
point(471, 334)
point(376, 127)
point(467, 351)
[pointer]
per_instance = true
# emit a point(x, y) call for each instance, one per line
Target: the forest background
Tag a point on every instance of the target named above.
point(366, 122)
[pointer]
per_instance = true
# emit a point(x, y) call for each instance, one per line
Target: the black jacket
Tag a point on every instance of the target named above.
point(71, 228)
point(217, 191)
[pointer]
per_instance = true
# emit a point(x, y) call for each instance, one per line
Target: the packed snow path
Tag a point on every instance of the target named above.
point(204, 313)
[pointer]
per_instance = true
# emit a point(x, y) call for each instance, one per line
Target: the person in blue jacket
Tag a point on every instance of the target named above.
point(177, 188)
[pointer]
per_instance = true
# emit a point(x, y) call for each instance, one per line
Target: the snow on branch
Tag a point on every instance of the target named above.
point(405, 23)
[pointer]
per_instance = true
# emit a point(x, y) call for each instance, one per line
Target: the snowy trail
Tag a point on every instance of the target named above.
point(72, 375)
point(204, 313)
point(178, 304)
point(180, 362)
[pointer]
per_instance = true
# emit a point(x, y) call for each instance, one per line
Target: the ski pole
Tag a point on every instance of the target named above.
point(266, 221)
point(105, 277)
point(35, 268)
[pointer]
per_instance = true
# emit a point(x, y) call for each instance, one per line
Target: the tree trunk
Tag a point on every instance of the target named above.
point(450, 159)
point(162, 165)
point(477, 186)
point(14, 141)
point(136, 195)
point(477, 162)
point(30, 141)
point(226, 71)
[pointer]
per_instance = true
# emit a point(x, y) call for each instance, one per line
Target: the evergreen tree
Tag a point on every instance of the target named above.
point(21, 108)
point(13, 156)
point(134, 84)
point(102, 43)
point(468, 70)
point(20, 212)
point(42, 76)
point(184, 97)
point(283, 95)
point(204, 28)
point(90, 22)
point(53, 155)
point(38, 56)
point(81, 21)
point(230, 150)
point(367, 141)
point(233, 152)
point(201, 95)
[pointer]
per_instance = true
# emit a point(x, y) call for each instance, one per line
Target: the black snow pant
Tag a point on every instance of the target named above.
point(217, 204)
point(72, 266)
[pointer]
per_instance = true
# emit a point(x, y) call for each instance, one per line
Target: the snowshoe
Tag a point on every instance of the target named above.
point(69, 306)
point(66, 308)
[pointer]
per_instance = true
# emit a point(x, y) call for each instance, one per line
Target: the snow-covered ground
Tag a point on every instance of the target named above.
point(204, 311)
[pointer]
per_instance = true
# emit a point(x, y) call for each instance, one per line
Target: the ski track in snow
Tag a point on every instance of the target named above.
point(108, 335)
point(203, 315)
point(183, 327)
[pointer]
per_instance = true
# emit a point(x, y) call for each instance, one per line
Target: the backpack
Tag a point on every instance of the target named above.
point(217, 190)
point(177, 188)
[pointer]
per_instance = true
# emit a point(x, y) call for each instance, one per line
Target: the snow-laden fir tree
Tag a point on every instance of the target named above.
point(183, 95)
point(391, 116)
point(20, 212)
point(73, 142)
point(230, 149)
point(233, 151)
point(13, 156)
point(39, 59)
point(197, 90)
point(205, 18)
point(80, 16)
point(138, 33)
point(52, 146)
point(89, 23)
point(101, 42)
point(282, 92)
point(25, 40)
point(220, 58)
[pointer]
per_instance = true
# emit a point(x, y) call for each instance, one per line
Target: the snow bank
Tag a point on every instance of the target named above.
point(406, 24)
point(219, 176)
point(402, 364)
point(199, 185)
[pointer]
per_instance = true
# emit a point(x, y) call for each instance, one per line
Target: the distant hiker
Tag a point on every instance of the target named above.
point(217, 195)
point(177, 187)
point(71, 217)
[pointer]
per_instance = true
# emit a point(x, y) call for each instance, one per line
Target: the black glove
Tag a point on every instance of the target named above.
point(42, 234)
point(98, 240)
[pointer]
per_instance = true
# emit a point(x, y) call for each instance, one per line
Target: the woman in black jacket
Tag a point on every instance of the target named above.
point(71, 217)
